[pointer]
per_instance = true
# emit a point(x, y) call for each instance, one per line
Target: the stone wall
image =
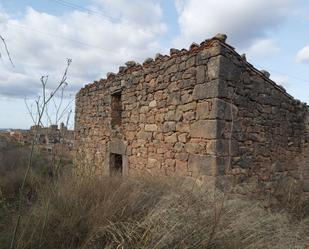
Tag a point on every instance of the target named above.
point(204, 113)
point(169, 122)
point(269, 131)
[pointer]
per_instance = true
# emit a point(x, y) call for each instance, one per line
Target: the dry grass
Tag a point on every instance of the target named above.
point(152, 213)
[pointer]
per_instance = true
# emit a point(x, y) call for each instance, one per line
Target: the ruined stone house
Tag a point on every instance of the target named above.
point(204, 113)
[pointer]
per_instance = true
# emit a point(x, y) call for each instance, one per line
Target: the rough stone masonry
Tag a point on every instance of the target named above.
point(204, 113)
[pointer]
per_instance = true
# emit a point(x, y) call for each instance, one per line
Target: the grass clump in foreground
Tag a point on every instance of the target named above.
point(149, 213)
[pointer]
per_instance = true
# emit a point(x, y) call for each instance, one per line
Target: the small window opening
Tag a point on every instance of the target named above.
point(116, 110)
point(115, 164)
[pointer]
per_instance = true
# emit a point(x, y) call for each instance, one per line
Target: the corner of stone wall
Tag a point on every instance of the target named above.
point(226, 112)
point(217, 129)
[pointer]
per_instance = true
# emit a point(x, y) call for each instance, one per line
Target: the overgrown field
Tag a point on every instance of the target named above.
point(62, 212)
point(142, 213)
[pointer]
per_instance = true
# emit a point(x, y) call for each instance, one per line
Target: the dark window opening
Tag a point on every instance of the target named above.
point(116, 110)
point(115, 164)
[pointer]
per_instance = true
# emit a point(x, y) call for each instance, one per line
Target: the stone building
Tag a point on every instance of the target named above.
point(204, 113)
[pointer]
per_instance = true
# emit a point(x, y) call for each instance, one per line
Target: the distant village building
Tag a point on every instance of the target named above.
point(49, 138)
point(204, 113)
point(52, 135)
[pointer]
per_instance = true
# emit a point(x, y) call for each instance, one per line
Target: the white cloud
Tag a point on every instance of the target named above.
point(243, 21)
point(303, 55)
point(39, 44)
point(139, 12)
point(281, 79)
point(262, 48)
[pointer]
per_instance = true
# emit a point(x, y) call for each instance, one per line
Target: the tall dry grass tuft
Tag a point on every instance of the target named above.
point(151, 213)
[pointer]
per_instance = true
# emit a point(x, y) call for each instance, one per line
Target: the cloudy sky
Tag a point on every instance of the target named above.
point(100, 35)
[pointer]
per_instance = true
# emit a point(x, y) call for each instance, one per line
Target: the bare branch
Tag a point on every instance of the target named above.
point(7, 50)
point(67, 107)
point(29, 110)
point(41, 106)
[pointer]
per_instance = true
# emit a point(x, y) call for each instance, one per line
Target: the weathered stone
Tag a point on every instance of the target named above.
point(181, 168)
point(110, 74)
point(205, 91)
point(174, 98)
point(182, 137)
point(200, 74)
point(221, 37)
point(178, 146)
point(190, 62)
point(144, 135)
point(213, 68)
point(151, 127)
point(187, 116)
point(153, 163)
point(214, 108)
point(169, 126)
point(194, 45)
point(182, 127)
point(204, 129)
point(171, 139)
point(158, 56)
point(183, 156)
point(130, 63)
point(153, 103)
point(266, 73)
point(187, 107)
point(170, 163)
point(174, 51)
point(193, 148)
point(148, 60)
point(122, 69)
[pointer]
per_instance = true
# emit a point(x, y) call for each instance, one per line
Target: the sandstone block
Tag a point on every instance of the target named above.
point(204, 129)
point(170, 163)
point(218, 147)
point(171, 139)
point(193, 148)
point(182, 137)
point(214, 109)
point(187, 116)
point(144, 109)
point(182, 127)
point(144, 135)
point(178, 115)
point(181, 168)
point(153, 103)
point(183, 156)
point(209, 90)
point(153, 163)
point(189, 73)
point(169, 126)
point(221, 37)
point(200, 74)
point(190, 62)
point(213, 68)
point(187, 107)
point(151, 127)
point(170, 116)
point(178, 146)
point(174, 98)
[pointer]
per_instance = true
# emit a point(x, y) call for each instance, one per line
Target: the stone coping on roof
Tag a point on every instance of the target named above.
point(218, 40)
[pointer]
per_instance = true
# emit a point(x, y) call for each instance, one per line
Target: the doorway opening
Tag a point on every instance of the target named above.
point(115, 164)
